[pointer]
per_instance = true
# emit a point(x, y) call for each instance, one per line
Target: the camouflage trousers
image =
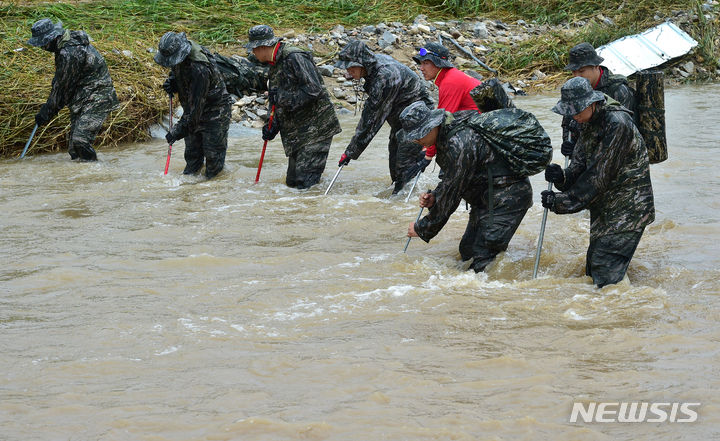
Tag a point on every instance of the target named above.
point(403, 160)
point(608, 257)
point(84, 127)
point(487, 234)
point(307, 164)
point(209, 143)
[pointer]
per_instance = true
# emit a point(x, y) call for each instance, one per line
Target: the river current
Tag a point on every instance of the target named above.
point(138, 306)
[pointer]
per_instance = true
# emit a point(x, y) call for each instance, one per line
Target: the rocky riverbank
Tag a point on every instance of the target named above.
point(475, 40)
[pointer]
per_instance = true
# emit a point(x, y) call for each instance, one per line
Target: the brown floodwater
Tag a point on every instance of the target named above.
point(138, 306)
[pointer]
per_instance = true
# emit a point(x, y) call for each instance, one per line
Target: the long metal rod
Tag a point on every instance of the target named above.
point(27, 144)
point(334, 179)
point(417, 178)
point(262, 154)
point(167, 161)
point(542, 232)
point(416, 220)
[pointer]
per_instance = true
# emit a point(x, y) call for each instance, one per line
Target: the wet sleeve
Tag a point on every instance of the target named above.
point(455, 181)
point(600, 170)
point(65, 80)
point(307, 83)
point(195, 106)
point(575, 168)
point(377, 108)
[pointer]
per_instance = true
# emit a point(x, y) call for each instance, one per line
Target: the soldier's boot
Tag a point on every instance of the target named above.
point(84, 151)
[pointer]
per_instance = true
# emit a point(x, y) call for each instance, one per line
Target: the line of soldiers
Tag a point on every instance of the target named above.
point(608, 175)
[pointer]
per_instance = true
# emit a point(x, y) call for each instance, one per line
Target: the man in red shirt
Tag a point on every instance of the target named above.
point(454, 85)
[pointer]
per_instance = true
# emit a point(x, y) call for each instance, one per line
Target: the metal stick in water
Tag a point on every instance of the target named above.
point(413, 186)
point(334, 179)
point(416, 220)
point(542, 232)
point(167, 161)
point(27, 144)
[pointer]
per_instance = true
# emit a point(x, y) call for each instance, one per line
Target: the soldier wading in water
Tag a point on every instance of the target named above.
point(464, 157)
point(390, 86)
point(82, 82)
point(304, 115)
point(609, 175)
point(194, 76)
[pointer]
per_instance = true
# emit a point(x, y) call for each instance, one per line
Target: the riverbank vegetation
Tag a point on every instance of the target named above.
point(125, 32)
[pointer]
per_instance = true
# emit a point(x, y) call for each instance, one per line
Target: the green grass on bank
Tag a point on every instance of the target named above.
point(134, 25)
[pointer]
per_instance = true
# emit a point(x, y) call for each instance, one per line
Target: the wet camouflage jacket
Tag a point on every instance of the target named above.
point(465, 161)
point(614, 86)
point(609, 175)
point(390, 86)
point(201, 91)
point(303, 107)
point(82, 79)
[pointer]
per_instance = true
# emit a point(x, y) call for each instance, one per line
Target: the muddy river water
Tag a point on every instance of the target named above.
point(138, 306)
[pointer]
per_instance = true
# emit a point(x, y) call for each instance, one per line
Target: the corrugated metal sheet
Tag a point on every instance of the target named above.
point(648, 49)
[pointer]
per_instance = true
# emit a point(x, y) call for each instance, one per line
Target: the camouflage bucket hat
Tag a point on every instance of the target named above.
point(576, 95)
point(581, 55)
point(435, 52)
point(350, 55)
point(172, 49)
point(417, 120)
point(44, 31)
point(261, 35)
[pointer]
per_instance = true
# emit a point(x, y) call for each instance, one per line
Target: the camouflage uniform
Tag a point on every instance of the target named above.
point(206, 111)
point(82, 82)
point(466, 161)
point(390, 86)
point(610, 176)
point(305, 113)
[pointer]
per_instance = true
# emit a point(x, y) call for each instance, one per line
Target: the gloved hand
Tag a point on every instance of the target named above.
point(269, 133)
point(548, 198)
point(567, 148)
point(272, 96)
point(430, 151)
point(169, 86)
point(554, 173)
point(344, 160)
point(170, 138)
point(424, 162)
point(43, 116)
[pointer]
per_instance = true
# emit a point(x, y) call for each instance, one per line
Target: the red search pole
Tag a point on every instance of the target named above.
point(167, 163)
point(262, 155)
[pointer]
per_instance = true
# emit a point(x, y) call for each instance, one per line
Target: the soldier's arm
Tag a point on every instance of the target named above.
point(575, 168)
point(600, 170)
point(462, 160)
point(307, 84)
point(193, 109)
point(64, 82)
point(376, 110)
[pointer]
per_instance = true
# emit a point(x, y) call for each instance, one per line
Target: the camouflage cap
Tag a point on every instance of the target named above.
point(44, 31)
point(351, 55)
point(581, 55)
point(435, 52)
point(172, 49)
point(417, 120)
point(261, 35)
point(576, 95)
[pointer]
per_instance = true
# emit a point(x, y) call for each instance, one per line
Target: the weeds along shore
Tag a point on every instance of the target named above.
point(526, 41)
